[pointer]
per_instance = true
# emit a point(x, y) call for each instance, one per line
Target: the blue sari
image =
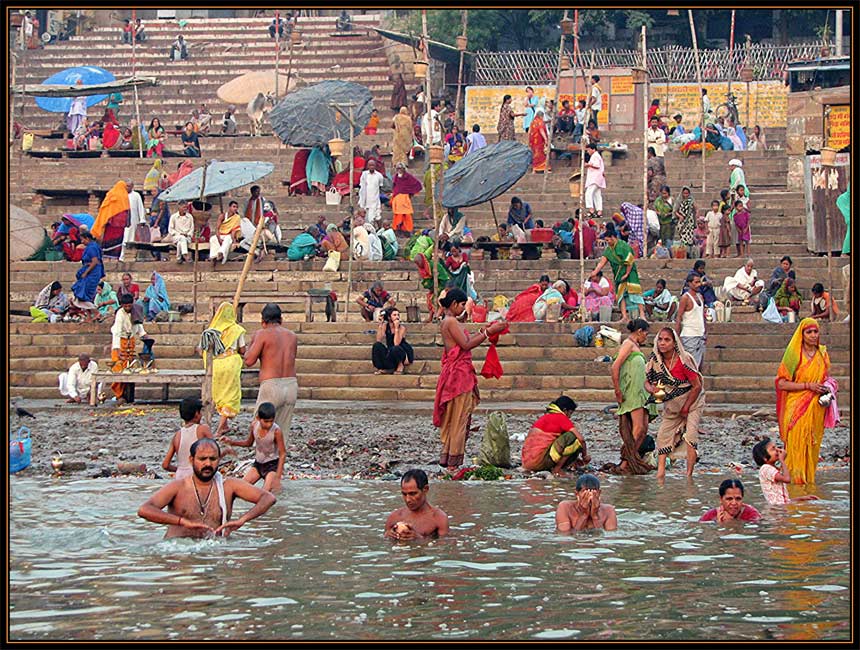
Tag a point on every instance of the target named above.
point(156, 295)
point(317, 168)
point(303, 245)
point(86, 288)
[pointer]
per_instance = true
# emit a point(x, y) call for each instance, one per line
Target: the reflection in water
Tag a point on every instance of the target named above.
point(83, 566)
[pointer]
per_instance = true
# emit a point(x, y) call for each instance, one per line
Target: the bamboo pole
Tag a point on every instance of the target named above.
point(699, 79)
point(134, 74)
point(645, 148)
point(460, 73)
point(582, 310)
point(428, 91)
point(730, 72)
point(351, 219)
point(289, 66)
point(827, 213)
point(551, 129)
point(197, 242)
point(249, 258)
point(277, 51)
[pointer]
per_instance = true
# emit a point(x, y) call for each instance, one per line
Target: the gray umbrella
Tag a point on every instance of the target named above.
point(221, 177)
point(485, 174)
point(304, 118)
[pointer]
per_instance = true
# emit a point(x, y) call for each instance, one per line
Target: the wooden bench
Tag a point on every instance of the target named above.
point(531, 250)
point(166, 378)
point(307, 298)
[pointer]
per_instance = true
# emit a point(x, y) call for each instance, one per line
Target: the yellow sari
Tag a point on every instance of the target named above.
point(227, 367)
point(800, 416)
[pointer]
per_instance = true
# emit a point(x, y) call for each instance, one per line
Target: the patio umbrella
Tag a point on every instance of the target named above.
point(486, 174)
point(26, 234)
point(69, 77)
point(305, 118)
point(244, 88)
point(221, 177)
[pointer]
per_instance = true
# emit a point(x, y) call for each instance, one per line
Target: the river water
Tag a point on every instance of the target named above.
point(84, 566)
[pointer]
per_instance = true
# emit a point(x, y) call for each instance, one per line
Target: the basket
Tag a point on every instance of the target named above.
point(640, 75)
point(332, 197)
point(437, 153)
point(828, 156)
point(746, 74)
point(462, 42)
point(573, 182)
point(337, 146)
point(567, 26)
point(565, 62)
point(174, 317)
point(419, 68)
point(413, 313)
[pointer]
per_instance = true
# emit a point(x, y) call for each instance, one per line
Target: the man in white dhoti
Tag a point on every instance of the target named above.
point(180, 231)
point(368, 192)
point(137, 215)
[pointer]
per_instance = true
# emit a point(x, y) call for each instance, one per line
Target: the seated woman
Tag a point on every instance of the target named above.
point(304, 246)
point(391, 353)
point(155, 299)
point(106, 300)
point(110, 136)
point(788, 298)
point(457, 263)
point(334, 240)
point(341, 181)
point(128, 287)
point(598, 293)
point(551, 296)
point(51, 304)
point(522, 307)
point(425, 273)
point(744, 284)
point(732, 506)
point(554, 443)
point(155, 139)
point(660, 304)
point(456, 143)
point(571, 299)
point(374, 298)
point(452, 224)
point(822, 303)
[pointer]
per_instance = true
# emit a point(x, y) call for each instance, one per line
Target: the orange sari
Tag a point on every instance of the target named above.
point(537, 143)
point(800, 416)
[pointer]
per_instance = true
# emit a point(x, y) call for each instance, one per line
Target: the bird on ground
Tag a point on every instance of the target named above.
point(23, 413)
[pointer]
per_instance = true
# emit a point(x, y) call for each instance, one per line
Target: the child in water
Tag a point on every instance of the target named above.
point(190, 410)
point(269, 453)
point(773, 481)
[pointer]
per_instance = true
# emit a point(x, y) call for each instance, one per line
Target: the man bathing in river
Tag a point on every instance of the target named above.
point(586, 511)
point(418, 519)
point(275, 347)
point(202, 504)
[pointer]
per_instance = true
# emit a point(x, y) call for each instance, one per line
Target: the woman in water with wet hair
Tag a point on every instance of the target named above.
point(732, 506)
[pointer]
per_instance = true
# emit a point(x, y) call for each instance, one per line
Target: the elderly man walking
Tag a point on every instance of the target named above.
point(368, 193)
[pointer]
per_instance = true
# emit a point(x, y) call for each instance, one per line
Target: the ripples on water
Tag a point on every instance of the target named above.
point(84, 566)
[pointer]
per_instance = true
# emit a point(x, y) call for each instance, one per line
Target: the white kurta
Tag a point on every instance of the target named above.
point(368, 194)
point(76, 381)
point(137, 215)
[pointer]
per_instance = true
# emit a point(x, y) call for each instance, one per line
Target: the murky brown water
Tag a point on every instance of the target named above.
point(84, 566)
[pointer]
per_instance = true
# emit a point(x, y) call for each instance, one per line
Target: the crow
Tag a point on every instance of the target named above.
point(23, 413)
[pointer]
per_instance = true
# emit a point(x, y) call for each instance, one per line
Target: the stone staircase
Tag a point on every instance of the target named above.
point(219, 50)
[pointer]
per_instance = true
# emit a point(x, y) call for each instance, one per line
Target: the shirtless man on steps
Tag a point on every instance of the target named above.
point(275, 347)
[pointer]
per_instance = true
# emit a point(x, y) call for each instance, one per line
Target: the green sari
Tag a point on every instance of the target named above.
point(665, 215)
point(620, 257)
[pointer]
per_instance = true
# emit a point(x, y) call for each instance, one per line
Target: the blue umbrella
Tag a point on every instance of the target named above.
point(221, 177)
point(69, 77)
point(485, 174)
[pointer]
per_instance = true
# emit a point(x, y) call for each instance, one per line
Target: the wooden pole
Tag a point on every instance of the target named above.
point(747, 62)
point(277, 51)
point(827, 214)
point(289, 67)
point(582, 310)
point(730, 72)
point(351, 219)
point(495, 220)
point(197, 242)
point(460, 73)
point(645, 148)
point(11, 131)
point(699, 79)
point(134, 74)
point(551, 129)
point(428, 91)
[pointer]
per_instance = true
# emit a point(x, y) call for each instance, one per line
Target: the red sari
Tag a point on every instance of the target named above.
point(341, 181)
point(298, 177)
point(537, 143)
point(456, 397)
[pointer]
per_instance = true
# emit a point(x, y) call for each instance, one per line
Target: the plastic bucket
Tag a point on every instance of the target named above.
point(605, 313)
point(19, 450)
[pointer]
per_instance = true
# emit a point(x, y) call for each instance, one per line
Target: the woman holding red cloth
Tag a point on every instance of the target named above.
point(457, 389)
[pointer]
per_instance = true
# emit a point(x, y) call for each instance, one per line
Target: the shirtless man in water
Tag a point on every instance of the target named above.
point(418, 519)
point(275, 347)
point(202, 504)
point(586, 511)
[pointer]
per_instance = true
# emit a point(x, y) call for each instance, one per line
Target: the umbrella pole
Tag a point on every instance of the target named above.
point(645, 150)
point(351, 218)
point(248, 259)
point(197, 246)
point(495, 220)
point(428, 91)
point(581, 172)
point(134, 74)
point(551, 130)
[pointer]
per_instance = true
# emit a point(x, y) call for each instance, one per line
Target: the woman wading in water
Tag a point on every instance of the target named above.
point(457, 388)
